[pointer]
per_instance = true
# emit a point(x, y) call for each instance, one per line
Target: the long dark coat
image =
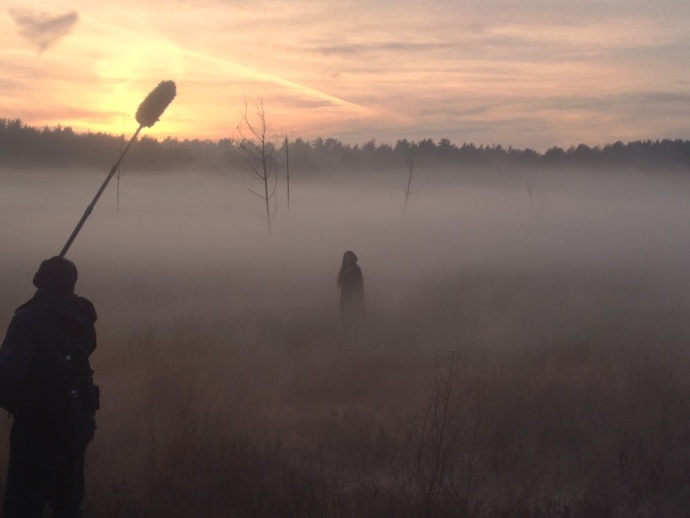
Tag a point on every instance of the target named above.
point(351, 284)
point(46, 382)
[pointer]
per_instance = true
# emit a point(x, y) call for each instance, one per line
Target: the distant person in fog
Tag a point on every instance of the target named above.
point(351, 285)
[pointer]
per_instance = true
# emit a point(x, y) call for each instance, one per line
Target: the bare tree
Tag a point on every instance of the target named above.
point(410, 161)
point(287, 171)
point(119, 173)
point(257, 150)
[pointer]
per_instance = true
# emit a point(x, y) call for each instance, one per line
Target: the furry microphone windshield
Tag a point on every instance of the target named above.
point(155, 103)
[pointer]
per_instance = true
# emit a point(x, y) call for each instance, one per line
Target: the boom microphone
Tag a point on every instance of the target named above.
point(148, 113)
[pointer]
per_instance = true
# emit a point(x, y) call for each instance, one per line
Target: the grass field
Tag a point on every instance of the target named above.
point(276, 414)
point(550, 379)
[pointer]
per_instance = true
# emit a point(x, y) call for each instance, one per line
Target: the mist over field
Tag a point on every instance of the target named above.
point(559, 243)
point(562, 295)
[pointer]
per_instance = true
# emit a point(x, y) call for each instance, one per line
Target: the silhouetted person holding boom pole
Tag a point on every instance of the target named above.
point(46, 380)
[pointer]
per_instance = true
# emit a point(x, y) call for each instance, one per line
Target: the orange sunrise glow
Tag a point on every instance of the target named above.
point(530, 75)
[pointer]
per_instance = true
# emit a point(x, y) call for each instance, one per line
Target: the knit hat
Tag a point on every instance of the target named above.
point(56, 274)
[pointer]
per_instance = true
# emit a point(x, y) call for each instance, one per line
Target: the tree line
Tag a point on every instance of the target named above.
point(23, 146)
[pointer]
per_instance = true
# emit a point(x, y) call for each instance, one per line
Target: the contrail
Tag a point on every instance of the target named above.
point(245, 71)
point(272, 78)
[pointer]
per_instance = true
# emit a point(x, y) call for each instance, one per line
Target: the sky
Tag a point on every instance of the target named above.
point(527, 74)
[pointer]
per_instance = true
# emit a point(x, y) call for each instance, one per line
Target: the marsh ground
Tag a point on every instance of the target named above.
point(525, 354)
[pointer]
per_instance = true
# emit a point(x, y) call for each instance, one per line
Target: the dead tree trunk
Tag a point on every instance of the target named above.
point(258, 151)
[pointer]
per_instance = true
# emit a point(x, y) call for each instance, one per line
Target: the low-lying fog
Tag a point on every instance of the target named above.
point(537, 250)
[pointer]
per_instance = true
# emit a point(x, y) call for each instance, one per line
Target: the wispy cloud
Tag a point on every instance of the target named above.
point(531, 72)
point(42, 29)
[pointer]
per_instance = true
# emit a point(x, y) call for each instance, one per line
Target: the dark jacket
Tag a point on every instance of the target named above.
point(45, 374)
point(351, 284)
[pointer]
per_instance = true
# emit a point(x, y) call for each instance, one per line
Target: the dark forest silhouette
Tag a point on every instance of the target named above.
point(24, 146)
